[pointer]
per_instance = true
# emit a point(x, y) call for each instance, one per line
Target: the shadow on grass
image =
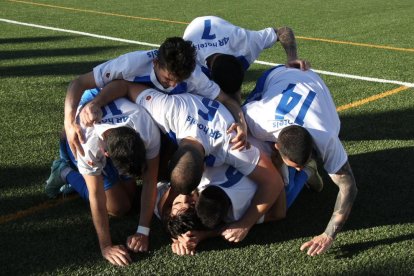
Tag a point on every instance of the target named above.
point(350, 250)
point(34, 39)
point(54, 69)
point(40, 53)
point(396, 124)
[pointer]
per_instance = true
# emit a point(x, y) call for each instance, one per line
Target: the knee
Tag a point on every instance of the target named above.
point(119, 209)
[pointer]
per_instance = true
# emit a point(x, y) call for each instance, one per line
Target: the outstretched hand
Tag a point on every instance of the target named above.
point(116, 255)
point(299, 64)
point(180, 249)
point(317, 245)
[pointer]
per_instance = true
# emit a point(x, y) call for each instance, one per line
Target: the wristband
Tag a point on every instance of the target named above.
point(143, 230)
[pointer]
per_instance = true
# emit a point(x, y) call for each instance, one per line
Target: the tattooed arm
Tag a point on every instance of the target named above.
point(344, 179)
point(287, 38)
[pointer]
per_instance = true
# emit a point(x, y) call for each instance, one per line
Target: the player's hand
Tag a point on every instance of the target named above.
point(191, 239)
point(116, 255)
point(318, 245)
point(240, 140)
point(75, 137)
point(138, 242)
point(234, 232)
point(299, 64)
point(179, 249)
point(90, 114)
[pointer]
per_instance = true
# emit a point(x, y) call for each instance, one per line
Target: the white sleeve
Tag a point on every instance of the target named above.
point(122, 67)
point(94, 160)
point(244, 161)
point(260, 40)
point(334, 155)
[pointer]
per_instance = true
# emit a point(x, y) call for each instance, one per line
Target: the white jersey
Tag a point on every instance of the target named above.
point(211, 35)
point(118, 113)
point(239, 188)
point(285, 96)
point(138, 67)
point(206, 120)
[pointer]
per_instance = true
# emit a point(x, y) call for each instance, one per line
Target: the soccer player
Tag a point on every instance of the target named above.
point(171, 69)
point(124, 144)
point(198, 126)
point(225, 51)
point(294, 110)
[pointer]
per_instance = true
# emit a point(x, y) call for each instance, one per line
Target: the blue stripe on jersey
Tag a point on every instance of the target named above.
point(179, 89)
point(233, 177)
point(209, 160)
point(144, 80)
point(257, 93)
point(244, 62)
point(206, 71)
point(172, 137)
point(297, 180)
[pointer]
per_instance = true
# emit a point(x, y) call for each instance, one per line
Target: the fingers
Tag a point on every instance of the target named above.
point(118, 255)
point(137, 243)
point(317, 246)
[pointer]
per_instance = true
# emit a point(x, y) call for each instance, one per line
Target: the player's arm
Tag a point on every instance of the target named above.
point(115, 254)
point(287, 39)
point(73, 96)
point(240, 141)
point(139, 241)
point(269, 186)
point(345, 180)
point(92, 112)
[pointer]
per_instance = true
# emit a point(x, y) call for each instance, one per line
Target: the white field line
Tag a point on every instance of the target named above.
point(156, 45)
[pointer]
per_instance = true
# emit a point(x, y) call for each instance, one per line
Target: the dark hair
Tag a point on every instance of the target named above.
point(296, 143)
point(227, 71)
point(178, 57)
point(212, 206)
point(186, 169)
point(126, 150)
point(182, 222)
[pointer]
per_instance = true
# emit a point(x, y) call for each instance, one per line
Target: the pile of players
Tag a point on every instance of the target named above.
point(209, 165)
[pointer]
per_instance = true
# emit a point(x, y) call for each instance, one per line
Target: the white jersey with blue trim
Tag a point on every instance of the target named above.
point(211, 35)
point(138, 67)
point(285, 96)
point(187, 115)
point(118, 113)
point(239, 188)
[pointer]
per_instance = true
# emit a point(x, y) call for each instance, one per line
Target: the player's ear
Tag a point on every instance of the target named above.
point(276, 146)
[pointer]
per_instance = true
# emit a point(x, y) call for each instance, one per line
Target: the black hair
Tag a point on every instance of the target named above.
point(227, 71)
point(296, 143)
point(186, 169)
point(178, 57)
point(182, 222)
point(126, 150)
point(212, 206)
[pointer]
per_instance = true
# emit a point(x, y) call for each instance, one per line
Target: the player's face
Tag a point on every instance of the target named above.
point(183, 202)
point(164, 77)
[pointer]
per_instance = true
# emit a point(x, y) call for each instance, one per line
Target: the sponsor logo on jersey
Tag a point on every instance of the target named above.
point(148, 98)
point(115, 120)
point(215, 134)
point(218, 43)
point(281, 123)
point(107, 75)
point(90, 163)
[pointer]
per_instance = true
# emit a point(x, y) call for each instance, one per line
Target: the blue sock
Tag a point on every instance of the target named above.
point(297, 180)
point(76, 180)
